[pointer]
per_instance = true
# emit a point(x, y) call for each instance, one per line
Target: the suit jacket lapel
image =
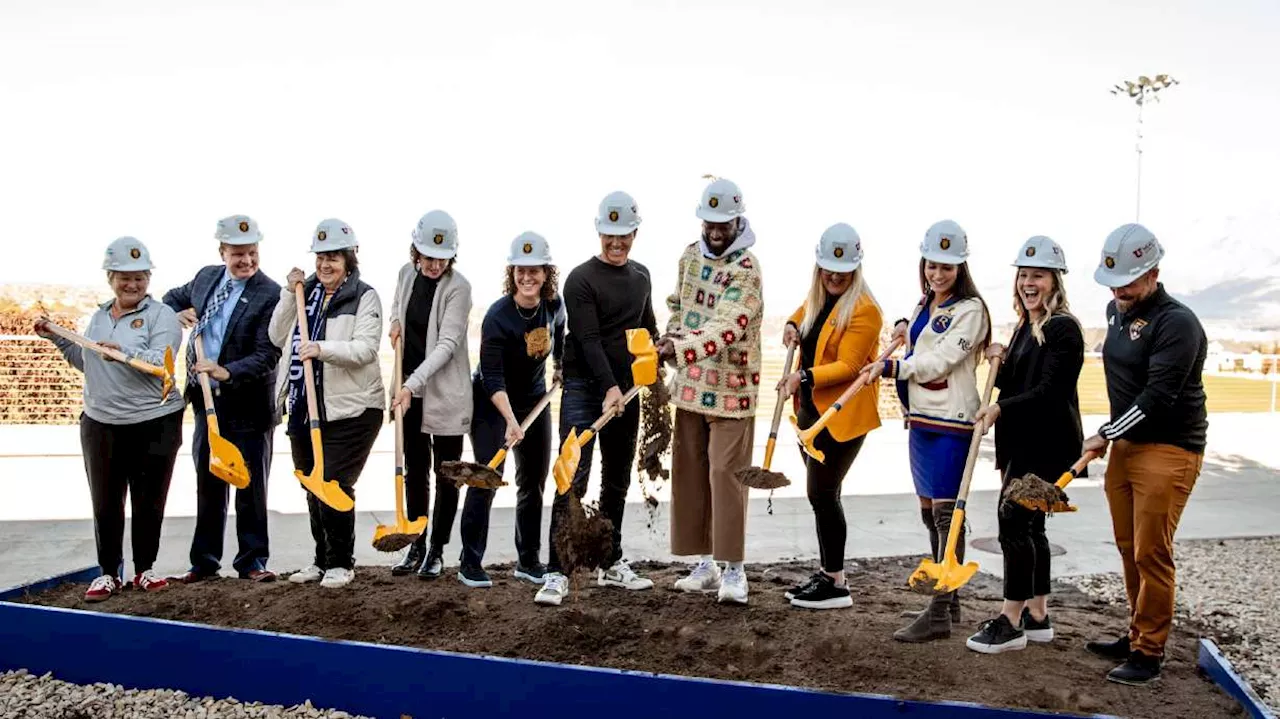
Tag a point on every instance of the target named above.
point(247, 299)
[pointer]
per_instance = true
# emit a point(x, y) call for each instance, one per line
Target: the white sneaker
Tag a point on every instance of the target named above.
point(554, 589)
point(337, 577)
point(704, 578)
point(308, 575)
point(620, 575)
point(733, 587)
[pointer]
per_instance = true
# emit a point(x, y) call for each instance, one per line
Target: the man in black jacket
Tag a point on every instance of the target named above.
point(229, 306)
point(1153, 357)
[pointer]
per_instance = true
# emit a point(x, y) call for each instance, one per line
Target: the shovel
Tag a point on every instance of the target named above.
point(326, 491)
point(950, 575)
point(485, 476)
point(644, 372)
point(807, 436)
point(1034, 493)
point(394, 537)
point(762, 477)
point(225, 461)
point(165, 373)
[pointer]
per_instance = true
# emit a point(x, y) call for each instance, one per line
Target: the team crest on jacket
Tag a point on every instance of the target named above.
point(136, 324)
point(941, 323)
point(537, 343)
point(1135, 329)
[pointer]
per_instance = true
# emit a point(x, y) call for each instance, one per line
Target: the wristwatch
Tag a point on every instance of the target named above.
point(806, 376)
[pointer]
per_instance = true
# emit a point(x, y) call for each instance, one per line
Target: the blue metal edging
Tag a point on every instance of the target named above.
point(1212, 662)
point(392, 682)
point(79, 576)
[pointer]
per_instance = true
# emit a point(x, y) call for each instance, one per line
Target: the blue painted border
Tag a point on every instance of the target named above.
point(1219, 668)
point(388, 681)
point(88, 574)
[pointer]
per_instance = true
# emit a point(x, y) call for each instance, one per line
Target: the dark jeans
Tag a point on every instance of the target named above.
point(346, 444)
point(533, 460)
point(419, 462)
point(211, 501)
point(1025, 546)
point(580, 407)
point(134, 460)
point(823, 481)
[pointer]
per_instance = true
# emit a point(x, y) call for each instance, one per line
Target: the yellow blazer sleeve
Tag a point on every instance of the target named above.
point(856, 346)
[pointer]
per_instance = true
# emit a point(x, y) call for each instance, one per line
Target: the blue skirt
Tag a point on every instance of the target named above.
point(937, 462)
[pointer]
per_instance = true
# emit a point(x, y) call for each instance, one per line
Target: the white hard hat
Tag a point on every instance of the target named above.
point(529, 250)
point(840, 249)
point(1128, 253)
point(238, 230)
point(617, 215)
point(721, 202)
point(1043, 252)
point(333, 235)
point(945, 243)
point(127, 254)
point(436, 236)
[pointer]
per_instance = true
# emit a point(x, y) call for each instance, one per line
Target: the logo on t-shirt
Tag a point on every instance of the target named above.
point(1135, 329)
point(537, 343)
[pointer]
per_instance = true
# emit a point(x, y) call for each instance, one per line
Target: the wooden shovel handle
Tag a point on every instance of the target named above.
point(777, 409)
point(532, 417)
point(92, 346)
point(861, 381)
point(210, 416)
point(976, 441)
point(611, 413)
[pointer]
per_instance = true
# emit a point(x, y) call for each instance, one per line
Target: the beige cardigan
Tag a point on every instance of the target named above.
point(443, 380)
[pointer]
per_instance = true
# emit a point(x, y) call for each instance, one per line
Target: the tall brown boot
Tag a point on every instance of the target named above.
point(938, 544)
point(935, 621)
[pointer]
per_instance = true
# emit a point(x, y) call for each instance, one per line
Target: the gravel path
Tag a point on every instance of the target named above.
point(1231, 587)
point(26, 696)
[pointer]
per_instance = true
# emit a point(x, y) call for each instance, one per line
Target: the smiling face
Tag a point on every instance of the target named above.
point(331, 269)
point(129, 287)
point(1138, 290)
point(1034, 287)
point(940, 278)
point(529, 281)
point(432, 268)
point(719, 235)
point(615, 249)
point(835, 283)
point(241, 260)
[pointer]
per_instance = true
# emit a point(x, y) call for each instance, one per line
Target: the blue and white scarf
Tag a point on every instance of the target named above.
point(316, 311)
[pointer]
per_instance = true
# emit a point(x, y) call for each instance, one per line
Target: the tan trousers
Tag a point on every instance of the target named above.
point(708, 505)
point(1147, 487)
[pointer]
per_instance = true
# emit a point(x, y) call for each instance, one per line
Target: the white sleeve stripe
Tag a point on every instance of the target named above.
point(1126, 422)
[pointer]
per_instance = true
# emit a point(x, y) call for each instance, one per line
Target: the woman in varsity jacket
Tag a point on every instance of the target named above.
point(937, 381)
point(430, 312)
point(344, 323)
point(837, 331)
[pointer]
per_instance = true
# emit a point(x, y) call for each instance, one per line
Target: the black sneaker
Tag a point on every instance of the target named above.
point(996, 636)
point(803, 586)
point(822, 593)
point(1140, 670)
point(1041, 631)
point(474, 577)
point(1117, 650)
point(433, 566)
point(533, 573)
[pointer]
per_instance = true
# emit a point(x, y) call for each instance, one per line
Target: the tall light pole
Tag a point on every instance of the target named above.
point(1141, 90)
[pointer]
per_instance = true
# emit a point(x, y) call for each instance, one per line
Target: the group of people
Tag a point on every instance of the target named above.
point(254, 354)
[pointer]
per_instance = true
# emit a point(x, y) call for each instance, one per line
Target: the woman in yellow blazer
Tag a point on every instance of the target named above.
point(838, 332)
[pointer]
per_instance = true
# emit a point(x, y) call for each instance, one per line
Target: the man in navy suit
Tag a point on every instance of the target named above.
point(229, 306)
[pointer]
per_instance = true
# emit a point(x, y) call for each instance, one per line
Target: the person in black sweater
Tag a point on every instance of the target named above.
point(604, 296)
point(520, 331)
point(1153, 358)
point(1037, 422)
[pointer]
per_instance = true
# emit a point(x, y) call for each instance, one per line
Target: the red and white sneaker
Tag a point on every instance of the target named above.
point(102, 588)
point(148, 582)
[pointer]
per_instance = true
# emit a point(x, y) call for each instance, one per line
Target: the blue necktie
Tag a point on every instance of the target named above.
point(210, 310)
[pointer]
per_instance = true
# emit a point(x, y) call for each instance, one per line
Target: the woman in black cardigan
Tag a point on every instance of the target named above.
point(1038, 432)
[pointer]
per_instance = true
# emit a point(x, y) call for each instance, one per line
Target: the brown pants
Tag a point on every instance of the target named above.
point(708, 505)
point(1147, 487)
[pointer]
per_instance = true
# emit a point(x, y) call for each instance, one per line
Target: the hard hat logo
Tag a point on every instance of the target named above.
point(945, 243)
point(135, 253)
point(528, 247)
point(714, 202)
point(613, 215)
point(322, 236)
point(244, 226)
point(438, 239)
point(1031, 252)
point(1110, 262)
point(838, 252)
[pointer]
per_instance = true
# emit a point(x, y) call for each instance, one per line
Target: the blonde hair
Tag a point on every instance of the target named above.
point(843, 310)
point(1055, 304)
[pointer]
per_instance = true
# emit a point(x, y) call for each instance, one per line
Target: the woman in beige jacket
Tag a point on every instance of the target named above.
point(430, 313)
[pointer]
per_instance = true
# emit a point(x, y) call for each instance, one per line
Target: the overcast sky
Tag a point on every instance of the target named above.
point(155, 119)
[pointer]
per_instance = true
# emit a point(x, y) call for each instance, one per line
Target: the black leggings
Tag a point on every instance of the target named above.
point(1025, 547)
point(346, 444)
point(419, 462)
point(823, 481)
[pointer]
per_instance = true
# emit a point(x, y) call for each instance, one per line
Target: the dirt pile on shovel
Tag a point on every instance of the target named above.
point(757, 478)
point(393, 542)
point(465, 474)
point(583, 541)
point(1031, 491)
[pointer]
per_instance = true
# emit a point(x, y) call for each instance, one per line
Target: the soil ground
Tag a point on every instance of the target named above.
point(664, 631)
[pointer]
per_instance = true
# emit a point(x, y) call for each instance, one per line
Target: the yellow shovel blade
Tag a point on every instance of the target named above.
point(950, 575)
point(806, 441)
point(328, 492)
point(567, 463)
point(167, 386)
point(644, 368)
point(226, 462)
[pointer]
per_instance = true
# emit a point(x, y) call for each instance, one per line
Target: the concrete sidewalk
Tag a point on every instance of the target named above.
point(46, 527)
